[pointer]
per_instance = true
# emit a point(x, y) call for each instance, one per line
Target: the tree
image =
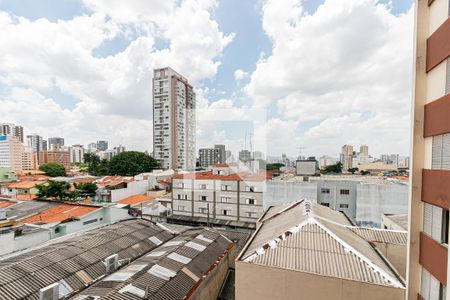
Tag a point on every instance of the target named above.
point(86, 188)
point(335, 169)
point(275, 166)
point(53, 169)
point(53, 189)
point(353, 170)
point(131, 163)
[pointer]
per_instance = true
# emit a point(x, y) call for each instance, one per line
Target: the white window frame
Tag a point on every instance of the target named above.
point(228, 199)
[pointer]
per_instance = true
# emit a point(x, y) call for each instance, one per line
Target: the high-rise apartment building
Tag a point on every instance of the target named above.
point(10, 129)
point(208, 157)
point(36, 143)
point(77, 154)
point(222, 157)
point(364, 150)
point(57, 156)
point(173, 120)
point(11, 150)
point(29, 159)
point(430, 166)
point(347, 157)
point(245, 155)
point(102, 145)
point(55, 143)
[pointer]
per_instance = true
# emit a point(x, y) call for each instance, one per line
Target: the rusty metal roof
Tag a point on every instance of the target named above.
point(171, 271)
point(78, 260)
point(308, 237)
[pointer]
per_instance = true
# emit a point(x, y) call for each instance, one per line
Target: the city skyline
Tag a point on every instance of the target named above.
point(81, 104)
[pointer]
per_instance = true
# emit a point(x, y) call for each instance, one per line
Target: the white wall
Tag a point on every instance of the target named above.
point(133, 188)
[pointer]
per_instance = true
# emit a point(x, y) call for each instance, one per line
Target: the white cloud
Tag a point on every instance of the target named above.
point(352, 56)
point(240, 74)
point(112, 94)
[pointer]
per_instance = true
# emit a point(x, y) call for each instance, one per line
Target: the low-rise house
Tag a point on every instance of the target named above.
point(16, 236)
point(67, 218)
point(17, 189)
point(308, 251)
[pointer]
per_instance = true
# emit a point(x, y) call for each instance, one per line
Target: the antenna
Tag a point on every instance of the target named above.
point(300, 149)
point(251, 146)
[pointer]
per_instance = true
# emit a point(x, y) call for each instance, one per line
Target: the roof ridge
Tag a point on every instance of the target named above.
point(394, 281)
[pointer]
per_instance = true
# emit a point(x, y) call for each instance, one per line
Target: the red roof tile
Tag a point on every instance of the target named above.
point(135, 199)
point(6, 203)
point(60, 213)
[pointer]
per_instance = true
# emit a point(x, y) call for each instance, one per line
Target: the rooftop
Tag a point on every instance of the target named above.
point(78, 261)
point(311, 238)
point(23, 210)
point(171, 271)
point(24, 184)
point(400, 219)
point(60, 213)
point(6, 203)
point(135, 199)
point(113, 180)
point(208, 175)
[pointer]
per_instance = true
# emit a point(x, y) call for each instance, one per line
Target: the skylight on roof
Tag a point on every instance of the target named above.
point(179, 258)
point(156, 253)
point(195, 246)
point(155, 240)
point(133, 290)
point(161, 272)
point(173, 243)
point(203, 238)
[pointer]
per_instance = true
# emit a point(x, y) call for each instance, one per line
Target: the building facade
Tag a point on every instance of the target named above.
point(77, 154)
point(245, 155)
point(102, 145)
point(430, 156)
point(219, 194)
point(10, 129)
point(208, 157)
point(58, 156)
point(221, 153)
point(55, 143)
point(173, 120)
point(36, 143)
point(347, 157)
point(364, 150)
point(11, 150)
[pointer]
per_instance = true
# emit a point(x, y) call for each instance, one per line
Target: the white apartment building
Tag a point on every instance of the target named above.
point(11, 150)
point(219, 194)
point(29, 159)
point(173, 120)
point(325, 161)
point(347, 157)
point(10, 129)
point(77, 154)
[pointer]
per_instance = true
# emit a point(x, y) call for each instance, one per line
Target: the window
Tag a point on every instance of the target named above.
point(225, 199)
point(325, 204)
point(249, 188)
point(181, 207)
point(203, 210)
point(181, 185)
point(250, 201)
point(182, 197)
point(226, 187)
point(345, 192)
point(325, 191)
point(203, 186)
point(226, 212)
point(89, 221)
point(445, 220)
point(203, 198)
point(343, 205)
point(250, 214)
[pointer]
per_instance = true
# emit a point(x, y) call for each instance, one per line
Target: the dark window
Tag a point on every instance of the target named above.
point(345, 192)
point(343, 205)
point(445, 220)
point(325, 204)
point(89, 221)
point(325, 191)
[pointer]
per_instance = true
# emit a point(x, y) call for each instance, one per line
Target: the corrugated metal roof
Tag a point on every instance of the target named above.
point(308, 237)
point(382, 235)
point(165, 276)
point(78, 260)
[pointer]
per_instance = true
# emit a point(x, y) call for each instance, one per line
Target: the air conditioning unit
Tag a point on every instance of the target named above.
point(50, 292)
point(112, 263)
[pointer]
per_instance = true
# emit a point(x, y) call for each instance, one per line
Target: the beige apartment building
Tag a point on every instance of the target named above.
point(11, 150)
point(430, 173)
point(304, 250)
point(219, 194)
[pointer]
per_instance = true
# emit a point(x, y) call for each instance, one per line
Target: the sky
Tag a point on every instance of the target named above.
point(287, 75)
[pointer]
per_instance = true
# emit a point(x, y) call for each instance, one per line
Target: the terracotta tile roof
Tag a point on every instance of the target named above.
point(33, 177)
point(6, 203)
point(208, 175)
point(60, 213)
point(135, 199)
point(24, 184)
point(224, 165)
point(29, 172)
point(84, 179)
point(113, 180)
point(26, 197)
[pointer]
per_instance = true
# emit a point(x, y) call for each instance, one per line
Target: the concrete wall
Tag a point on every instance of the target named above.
point(10, 243)
point(375, 200)
point(133, 188)
point(279, 192)
point(396, 255)
point(260, 282)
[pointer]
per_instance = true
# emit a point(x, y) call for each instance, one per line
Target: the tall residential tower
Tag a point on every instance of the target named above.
point(430, 170)
point(173, 120)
